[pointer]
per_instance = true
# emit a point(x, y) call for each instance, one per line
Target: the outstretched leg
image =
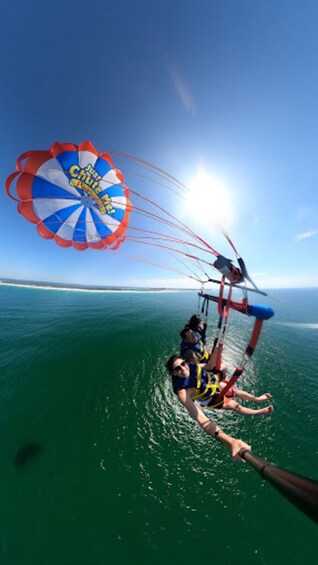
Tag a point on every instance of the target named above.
point(233, 405)
point(243, 395)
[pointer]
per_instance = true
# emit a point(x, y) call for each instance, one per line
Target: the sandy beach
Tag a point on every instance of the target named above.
point(52, 286)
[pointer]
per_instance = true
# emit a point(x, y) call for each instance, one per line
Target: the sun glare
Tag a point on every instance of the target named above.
point(209, 202)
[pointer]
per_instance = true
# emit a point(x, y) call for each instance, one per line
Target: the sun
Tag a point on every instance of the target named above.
point(209, 202)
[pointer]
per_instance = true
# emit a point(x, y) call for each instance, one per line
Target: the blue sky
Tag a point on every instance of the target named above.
point(230, 88)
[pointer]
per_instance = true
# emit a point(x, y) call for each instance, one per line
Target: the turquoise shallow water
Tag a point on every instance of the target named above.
point(120, 473)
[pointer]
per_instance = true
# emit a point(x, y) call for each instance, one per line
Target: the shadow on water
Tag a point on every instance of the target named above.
point(27, 452)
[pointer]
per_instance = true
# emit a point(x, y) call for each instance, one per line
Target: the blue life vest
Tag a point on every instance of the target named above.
point(197, 347)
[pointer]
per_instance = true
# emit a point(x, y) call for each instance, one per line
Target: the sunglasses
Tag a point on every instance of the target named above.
point(178, 367)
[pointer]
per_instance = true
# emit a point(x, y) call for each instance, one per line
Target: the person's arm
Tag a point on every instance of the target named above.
point(234, 445)
point(203, 334)
point(211, 362)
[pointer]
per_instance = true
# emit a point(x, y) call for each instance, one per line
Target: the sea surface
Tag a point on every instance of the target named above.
point(101, 465)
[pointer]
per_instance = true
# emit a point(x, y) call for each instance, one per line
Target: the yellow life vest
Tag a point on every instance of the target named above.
point(211, 387)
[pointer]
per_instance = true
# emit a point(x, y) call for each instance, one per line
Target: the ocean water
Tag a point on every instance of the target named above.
point(100, 464)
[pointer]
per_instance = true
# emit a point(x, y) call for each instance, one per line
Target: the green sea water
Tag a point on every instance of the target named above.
point(119, 472)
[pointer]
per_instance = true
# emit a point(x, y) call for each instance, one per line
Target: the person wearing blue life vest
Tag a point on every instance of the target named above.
point(198, 325)
point(192, 342)
point(197, 387)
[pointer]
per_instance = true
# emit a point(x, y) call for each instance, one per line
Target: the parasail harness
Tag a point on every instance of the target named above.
point(235, 276)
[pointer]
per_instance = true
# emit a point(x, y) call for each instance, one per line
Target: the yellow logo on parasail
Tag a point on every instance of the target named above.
point(88, 179)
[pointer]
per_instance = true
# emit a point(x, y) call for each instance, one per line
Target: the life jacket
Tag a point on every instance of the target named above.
point(198, 347)
point(206, 384)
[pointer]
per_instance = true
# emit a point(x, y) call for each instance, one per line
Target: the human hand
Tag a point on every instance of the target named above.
point(237, 447)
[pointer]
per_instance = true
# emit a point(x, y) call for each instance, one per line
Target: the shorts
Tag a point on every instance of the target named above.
point(209, 404)
point(231, 393)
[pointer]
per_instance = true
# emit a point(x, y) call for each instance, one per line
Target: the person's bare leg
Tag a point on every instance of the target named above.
point(233, 405)
point(243, 395)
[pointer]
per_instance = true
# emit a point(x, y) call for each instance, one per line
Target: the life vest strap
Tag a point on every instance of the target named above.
point(211, 388)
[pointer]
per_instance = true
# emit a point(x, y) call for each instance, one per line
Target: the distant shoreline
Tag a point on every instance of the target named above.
point(80, 288)
point(104, 289)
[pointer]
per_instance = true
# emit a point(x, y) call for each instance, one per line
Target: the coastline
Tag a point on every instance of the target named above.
point(75, 288)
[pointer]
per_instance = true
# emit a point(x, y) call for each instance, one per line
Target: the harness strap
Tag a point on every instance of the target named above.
point(220, 300)
point(248, 354)
point(223, 310)
point(205, 305)
point(199, 373)
point(237, 373)
point(258, 324)
point(204, 353)
point(210, 388)
point(215, 405)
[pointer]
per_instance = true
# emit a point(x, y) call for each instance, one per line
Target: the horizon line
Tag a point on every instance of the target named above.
point(95, 288)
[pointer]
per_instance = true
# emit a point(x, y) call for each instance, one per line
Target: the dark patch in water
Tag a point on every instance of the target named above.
point(27, 452)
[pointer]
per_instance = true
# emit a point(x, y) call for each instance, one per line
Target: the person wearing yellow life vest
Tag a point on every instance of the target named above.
point(197, 383)
point(220, 377)
point(192, 342)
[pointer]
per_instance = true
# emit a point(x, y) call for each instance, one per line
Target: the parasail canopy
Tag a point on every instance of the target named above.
point(74, 195)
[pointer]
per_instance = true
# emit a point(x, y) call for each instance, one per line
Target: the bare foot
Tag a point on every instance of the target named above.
point(267, 410)
point(263, 397)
